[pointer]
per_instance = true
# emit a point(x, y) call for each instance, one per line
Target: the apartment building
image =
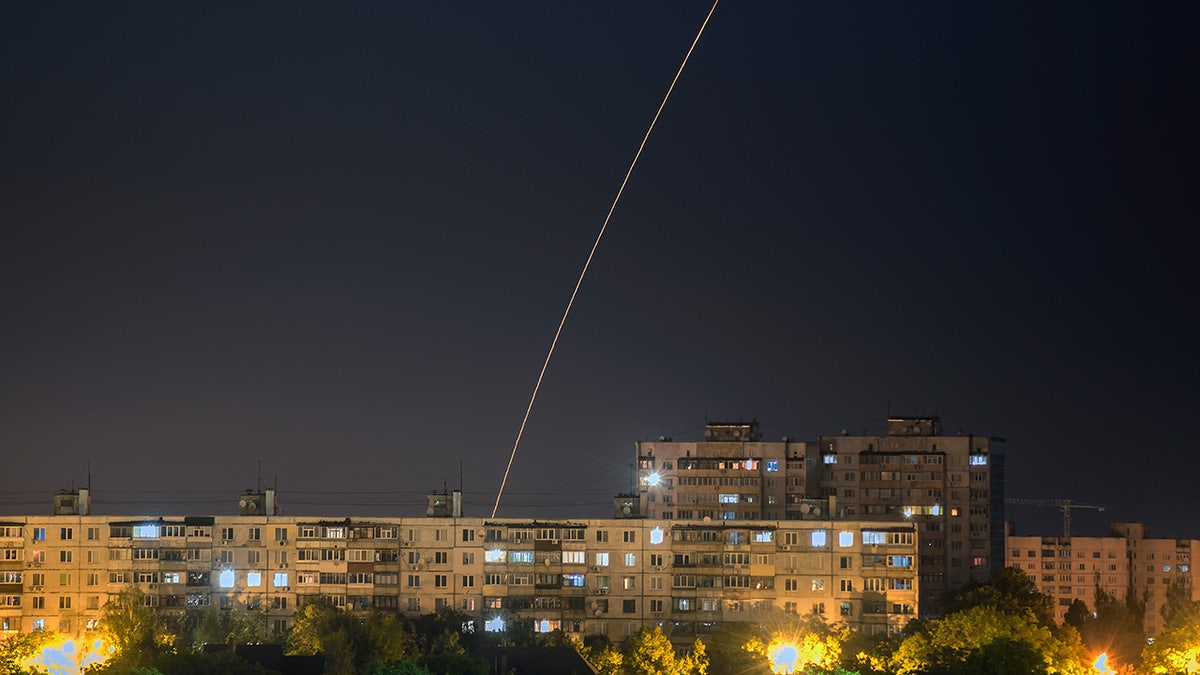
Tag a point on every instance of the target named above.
point(610, 576)
point(1073, 568)
point(950, 487)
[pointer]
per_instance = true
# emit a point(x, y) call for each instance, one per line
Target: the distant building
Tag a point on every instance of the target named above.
point(594, 576)
point(1074, 568)
point(950, 487)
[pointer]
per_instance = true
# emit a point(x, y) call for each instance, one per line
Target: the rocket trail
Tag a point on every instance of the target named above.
point(592, 254)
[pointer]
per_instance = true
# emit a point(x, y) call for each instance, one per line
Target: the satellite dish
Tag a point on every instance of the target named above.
point(242, 503)
point(595, 604)
point(252, 506)
point(547, 562)
point(816, 510)
point(429, 511)
point(626, 509)
point(708, 519)
point(805, 508)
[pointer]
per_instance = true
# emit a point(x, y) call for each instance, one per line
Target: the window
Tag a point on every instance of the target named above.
point(254, 534)
point(227, 533)
point(494, 555)
point(772, 465)
point(573, 557)
point(281, 534)
point(629, 583)
point(468, 534)
point(65, 533)
point(39, 534)
point(280, 580)
point(468, 580)
point(818, 584)
point(629, 536)
point(656, 535)
point(845, 539)
point(873, 538)
point(602, 536)
point(468, 558)
point(656, 605)
point(254, 579)
point(414, 581)
point(601, 559)
point(846, 585)
point(64, 556)
point(817, 538)
point(764, 537)
point(899, 561)
point(631, 560)
point(441, 557)
point(978, 460)
point(439, 581)
point(39, 602)
point(64, 579)
point(629, 606)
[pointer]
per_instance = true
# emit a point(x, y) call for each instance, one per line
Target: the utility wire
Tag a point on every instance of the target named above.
point(588, 262)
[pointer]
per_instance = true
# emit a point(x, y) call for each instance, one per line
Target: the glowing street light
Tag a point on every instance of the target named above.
point(653, 479)
point(1101, 664)
point(784, 657)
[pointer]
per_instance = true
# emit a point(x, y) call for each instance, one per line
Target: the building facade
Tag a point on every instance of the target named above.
point(596, 576)
point(1126, 561)
point(950, 487)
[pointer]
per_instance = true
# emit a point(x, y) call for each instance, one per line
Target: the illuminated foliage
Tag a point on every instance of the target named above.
point(1177, 650)
point(136, 632)
point(985, 639)
point(797, 653)
point(651, 653)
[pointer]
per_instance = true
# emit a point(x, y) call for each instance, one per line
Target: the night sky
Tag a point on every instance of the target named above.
point(339, 239)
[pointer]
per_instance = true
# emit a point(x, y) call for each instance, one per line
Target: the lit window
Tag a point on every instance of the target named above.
point(225, 579)
point(493, 556)
point(254, 579)
point(978, 460)
point(726, 498)
point(145, 531)
point(845, 539)
point(602, 559)
point(495, 625)
point(818, 538)
point(829, 458)
point(764, 537)
point(656, 536)
point(281, 580)
point(653, 479)
point(873, 538)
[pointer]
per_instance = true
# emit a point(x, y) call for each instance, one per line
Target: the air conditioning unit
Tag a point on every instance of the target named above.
point(602, 591)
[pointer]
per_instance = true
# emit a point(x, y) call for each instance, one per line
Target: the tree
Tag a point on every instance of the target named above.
point(599, 651)
point(1116, 627)
point(964, 640)
point(135, 631)
point(350, 644)
point(1177, 650)
point(649, 653)
point(17, 649)
point(218, 626)
point(1008, 590)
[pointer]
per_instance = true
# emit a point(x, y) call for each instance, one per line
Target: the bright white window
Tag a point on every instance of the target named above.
point(225, 579)
point(254, 579)
point(845, 539)
point(818, 538)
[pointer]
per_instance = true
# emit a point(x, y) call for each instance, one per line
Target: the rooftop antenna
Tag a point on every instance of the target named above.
point(592, 254)
point(89, 475)
point(260, 483)
point(889, 407)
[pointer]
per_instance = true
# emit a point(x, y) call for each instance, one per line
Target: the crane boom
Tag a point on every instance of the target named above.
point(1064, 505)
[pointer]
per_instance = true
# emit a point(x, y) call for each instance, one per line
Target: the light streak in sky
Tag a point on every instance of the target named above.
point(588, 262)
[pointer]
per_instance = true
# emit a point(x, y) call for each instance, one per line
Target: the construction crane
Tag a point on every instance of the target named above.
point(1064, 505)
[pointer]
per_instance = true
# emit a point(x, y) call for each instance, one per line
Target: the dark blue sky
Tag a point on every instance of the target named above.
point(340, 238)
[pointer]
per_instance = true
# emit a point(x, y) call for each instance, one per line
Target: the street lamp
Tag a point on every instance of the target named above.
point(783, 658)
